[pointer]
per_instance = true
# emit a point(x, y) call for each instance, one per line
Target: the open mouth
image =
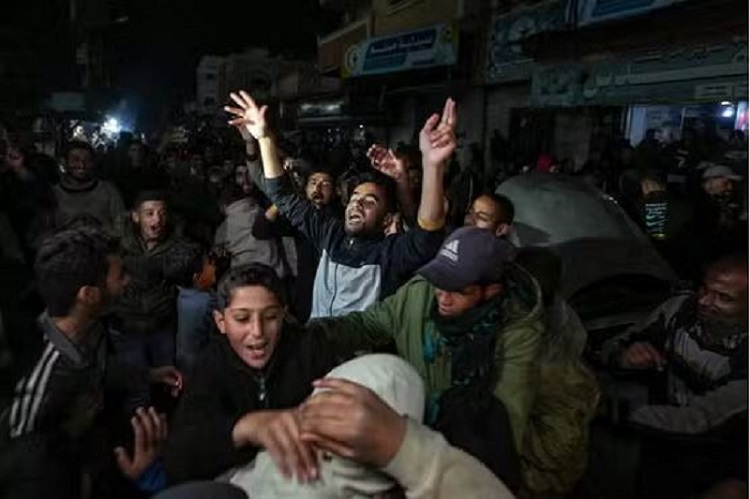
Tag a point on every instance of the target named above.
point(257, 350)
point(355, 217)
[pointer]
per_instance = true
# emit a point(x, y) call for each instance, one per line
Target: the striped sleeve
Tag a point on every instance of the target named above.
point(30, 392)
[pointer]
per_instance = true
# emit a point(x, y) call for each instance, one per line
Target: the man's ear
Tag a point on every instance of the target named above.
point(134, 217)
point(89, 295)
point(503, 230)
point(219, 320)
point(492, 290)
point(387, 220)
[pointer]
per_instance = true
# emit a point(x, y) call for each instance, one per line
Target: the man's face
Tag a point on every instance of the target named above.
point(79, 165)
point(718, 186)
point(242, 179)
point(455, 303)
point(486, 214)
point(722, 299)
point(151, 218)
point(252, 323)
point(366, 212)
point(319, 189)
point(136, 155)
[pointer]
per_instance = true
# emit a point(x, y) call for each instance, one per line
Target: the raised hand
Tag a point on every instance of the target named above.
point(351, 421)
point(437, 140)
point(248, 115)
point(150, 433)
point(278, 432)
point(642, 355)
point(385, 161)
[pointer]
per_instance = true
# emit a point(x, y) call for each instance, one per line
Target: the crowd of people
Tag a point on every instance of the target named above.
point(247, 318)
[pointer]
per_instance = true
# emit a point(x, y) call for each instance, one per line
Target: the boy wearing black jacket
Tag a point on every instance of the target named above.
point(242, 393)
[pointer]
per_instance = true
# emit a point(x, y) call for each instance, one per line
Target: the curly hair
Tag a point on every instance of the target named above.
point(253, 274)
point(70, 259)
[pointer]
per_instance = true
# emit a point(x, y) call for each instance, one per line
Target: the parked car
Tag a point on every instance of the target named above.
point(611, 274)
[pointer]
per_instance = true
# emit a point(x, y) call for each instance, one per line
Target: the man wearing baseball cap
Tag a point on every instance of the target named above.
point(469, 317)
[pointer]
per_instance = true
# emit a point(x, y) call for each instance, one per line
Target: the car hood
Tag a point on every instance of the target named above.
point(590, 232)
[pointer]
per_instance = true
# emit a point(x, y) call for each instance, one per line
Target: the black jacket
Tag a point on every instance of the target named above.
point(148, 302)
point(307, 258)
point(354, 272)
point(68, 396)
point(221, 389)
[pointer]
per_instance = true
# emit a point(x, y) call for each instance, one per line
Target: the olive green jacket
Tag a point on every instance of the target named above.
point(405, 318)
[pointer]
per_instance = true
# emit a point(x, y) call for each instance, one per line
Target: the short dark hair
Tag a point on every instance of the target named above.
point(183, 262)
point(318, 169)
point(253, 274)
point(144, 196)
point(383, 181)
point(653, 176)
point(728, 262)
point(78, 144)
point(504, 204)
point(67, 261)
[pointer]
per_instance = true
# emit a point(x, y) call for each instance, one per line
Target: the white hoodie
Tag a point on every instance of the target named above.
point(426, 466)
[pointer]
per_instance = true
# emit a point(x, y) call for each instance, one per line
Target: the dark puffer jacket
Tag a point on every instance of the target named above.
point(148, 302)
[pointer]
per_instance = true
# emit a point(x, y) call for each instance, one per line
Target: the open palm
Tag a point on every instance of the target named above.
point(437, 140)
point(248, 115)
point(385, 161)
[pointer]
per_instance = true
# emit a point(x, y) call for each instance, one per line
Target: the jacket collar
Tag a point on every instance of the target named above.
point(79, 355)
point(132, 241)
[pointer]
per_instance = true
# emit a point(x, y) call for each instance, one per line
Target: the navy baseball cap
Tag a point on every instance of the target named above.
point(469, 256)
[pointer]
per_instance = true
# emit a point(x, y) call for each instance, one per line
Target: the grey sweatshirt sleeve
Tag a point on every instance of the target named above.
point(653, 330)
point(116, 204)
point(704, 413)
point(428, 467)
point(255, 170)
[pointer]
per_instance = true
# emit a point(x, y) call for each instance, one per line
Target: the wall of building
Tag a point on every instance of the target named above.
point(500, 100)
point(209, 77)
point(471, 124)
point(394, 16)
point(573, 136)
point(405, 124)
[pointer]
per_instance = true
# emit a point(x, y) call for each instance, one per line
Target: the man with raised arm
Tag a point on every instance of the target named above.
point(359, 265)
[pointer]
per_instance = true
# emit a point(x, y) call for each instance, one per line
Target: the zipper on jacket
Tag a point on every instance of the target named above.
point(262, 394)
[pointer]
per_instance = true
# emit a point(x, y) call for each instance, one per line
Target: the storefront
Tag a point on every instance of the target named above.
point(407, 76)
point(669, 121)
point(508, 74)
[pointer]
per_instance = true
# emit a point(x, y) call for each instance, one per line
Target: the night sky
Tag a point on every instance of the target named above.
point(158, 47)
point(164, 39)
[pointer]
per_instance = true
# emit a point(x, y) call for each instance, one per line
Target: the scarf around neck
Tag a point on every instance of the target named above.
point(471, 339)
